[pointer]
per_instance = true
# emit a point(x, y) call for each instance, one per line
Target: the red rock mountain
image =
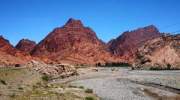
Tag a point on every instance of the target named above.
point(126, 44)
point(26, 45)
point(159, 53)
point(10, 55)
point(6, 47)
point(73, 43)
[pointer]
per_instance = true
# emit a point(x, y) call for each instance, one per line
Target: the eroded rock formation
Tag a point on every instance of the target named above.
point(127, 44)
point(73, 43)
point(26, 45)
point(10, 55)
point(159, 53)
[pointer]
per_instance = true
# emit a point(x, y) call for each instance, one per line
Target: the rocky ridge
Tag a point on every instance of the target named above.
point(127, 44)
point(10, 55)
point(25, 45)
point(159, 53)
point(53, 70)
point(73, 43)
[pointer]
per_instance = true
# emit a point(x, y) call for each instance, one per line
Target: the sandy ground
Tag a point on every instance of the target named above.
point(125, 84)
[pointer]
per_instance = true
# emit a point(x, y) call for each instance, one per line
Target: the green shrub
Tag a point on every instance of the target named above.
point(72, 86)
point(81, 87)
point(13, 95)
point(117, 64)
point(46, 78)
point(89, 91)
point(20, 88)
point(89, 98)
point(3, 82)
point(154, 68)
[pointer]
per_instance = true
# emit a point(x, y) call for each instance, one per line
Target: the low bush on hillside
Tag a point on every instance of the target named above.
point(89, 91)
point(46, 77)
point(3, 82)
point(20, 88)
point(89, 98)
point(167, 67)
point(72, 86)
point(118, 64)
point(81, 87)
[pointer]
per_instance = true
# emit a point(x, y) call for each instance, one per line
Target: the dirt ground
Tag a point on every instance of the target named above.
point(126, 84)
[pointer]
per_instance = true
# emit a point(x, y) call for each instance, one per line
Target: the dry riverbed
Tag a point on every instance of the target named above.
point(125, 84)
point(28, 84)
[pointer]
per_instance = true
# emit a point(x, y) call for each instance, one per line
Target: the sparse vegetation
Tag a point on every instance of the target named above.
point(117, 64)
point(28, 83)
point(3, 82)
point(162, 68)
point(81, 87)
point(155, 68)
point(20, 88)
point(13, 95)
point(72, 86)
point(17, 65)
point(89, 91)
point(89, 98)
point(45, 77)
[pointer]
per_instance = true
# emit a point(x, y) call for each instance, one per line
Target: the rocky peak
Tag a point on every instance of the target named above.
point(26, 45)
point(72, 43)
point(72, 23)
point(150, 28)
point(147, 31)
point(127, 43)
point(3, 41)
point(159, 53)
point(5, 46)
point(11, 55)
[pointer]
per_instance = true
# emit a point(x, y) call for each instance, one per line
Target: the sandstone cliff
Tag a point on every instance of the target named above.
point(72, 43)
point(127, 44)
point(10, 55)
point(25, 45)
point(159, 53)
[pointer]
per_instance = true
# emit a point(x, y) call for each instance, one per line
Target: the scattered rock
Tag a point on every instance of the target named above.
point(55, 70)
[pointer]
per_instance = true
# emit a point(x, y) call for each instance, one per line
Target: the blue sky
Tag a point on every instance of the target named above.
point(34, 19)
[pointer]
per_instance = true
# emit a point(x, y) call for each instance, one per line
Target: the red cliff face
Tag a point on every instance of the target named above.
point(6, 47)
point(159, 53)
point(10, 55)
point(25, 45)
point(126, 45)
point(72, 43)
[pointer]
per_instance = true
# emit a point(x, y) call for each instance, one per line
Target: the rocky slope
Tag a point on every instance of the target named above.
point(25, 45)
point(126, 44)
point(73, 43)
point(53, 70)
point(159, 53)
point(10, 55)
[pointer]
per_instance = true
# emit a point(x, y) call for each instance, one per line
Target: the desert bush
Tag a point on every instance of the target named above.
point(89, 91)
point(160, 68)
point(13, 95)
point(72, 86)
point(17, 65)
point(117, 64)
point(154, 68)
point(20, 88)
point(89, 98)
point(46, 77)
point(81, 87)
point(3, 82)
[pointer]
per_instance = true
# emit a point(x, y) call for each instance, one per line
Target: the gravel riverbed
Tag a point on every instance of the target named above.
point(125, 84)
